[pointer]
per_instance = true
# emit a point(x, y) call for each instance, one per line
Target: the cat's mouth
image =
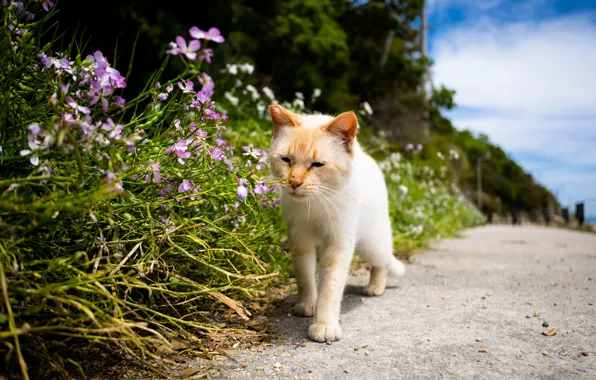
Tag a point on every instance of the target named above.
point(295, 195)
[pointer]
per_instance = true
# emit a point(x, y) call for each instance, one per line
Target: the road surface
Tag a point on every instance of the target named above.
point(469, 308)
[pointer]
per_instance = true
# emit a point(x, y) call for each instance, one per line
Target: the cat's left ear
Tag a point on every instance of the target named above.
point(282, 118)
point(344, 126)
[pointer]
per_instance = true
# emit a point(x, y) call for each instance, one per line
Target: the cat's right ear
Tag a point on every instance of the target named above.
point(282, 118)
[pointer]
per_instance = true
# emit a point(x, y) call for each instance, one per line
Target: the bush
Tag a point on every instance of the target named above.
point(120, 223)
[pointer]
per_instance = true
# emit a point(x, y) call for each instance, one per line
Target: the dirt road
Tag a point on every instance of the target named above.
point(469, 308)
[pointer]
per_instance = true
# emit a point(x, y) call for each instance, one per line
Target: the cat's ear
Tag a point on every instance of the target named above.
point(344, 126)
point(282, 118)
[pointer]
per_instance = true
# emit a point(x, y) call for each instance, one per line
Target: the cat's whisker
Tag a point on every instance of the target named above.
point(333, 205)
point(336, 196)
point(328, 214)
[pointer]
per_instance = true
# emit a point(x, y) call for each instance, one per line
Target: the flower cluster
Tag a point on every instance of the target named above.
point(85, 91)
point(192, 49)
point(246, 98)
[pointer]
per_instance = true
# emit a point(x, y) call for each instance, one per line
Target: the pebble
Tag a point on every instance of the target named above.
point(478, 340)
point(545, 324)
point(328, 343)
point(585, 353)
point(528, 316)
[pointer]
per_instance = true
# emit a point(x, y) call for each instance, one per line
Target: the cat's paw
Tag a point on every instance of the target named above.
point(373, 290)
point(324, 333)
point(304, 309)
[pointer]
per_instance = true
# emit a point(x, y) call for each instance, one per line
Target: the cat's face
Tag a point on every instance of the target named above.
point(311, 154)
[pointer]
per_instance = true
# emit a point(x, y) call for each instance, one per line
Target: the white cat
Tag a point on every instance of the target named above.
point(334, 201)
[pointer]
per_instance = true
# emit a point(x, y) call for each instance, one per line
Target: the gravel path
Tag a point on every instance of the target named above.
point(470, 308)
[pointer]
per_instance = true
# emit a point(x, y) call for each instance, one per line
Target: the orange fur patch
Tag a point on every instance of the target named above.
point(282, 118)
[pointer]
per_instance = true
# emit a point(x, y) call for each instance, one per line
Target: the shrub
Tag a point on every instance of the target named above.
point(120, 222)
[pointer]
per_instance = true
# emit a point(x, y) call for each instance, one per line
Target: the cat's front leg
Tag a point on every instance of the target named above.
point(335, 263)
point(304, 257)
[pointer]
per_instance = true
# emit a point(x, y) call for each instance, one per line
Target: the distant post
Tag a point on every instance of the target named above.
point(565, 212)
point(579, 213)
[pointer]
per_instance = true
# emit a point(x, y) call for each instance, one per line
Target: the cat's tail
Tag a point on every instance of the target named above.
point(396, 267)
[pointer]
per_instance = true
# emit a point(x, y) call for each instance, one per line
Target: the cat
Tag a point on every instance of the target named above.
point(334, 201)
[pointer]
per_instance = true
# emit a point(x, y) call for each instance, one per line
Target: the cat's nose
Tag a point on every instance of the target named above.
point(295, 183)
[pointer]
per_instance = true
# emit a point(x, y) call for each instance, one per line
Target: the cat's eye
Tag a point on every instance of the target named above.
point(317, 164)
point(286, 159)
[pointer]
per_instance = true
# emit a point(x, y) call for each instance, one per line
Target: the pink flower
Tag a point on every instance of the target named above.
point(213, 34)
point(77, 108)
point(242, 192)
point(180, 47)
point(207, 83)
point(186, 86)
point(185, 186)
point(206, 55)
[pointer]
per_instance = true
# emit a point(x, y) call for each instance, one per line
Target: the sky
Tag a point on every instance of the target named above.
point(525, 74)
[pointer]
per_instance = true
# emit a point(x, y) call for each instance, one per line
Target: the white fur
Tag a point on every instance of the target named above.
point(350, 214)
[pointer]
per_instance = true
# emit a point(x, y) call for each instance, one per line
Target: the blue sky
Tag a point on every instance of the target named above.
point(525, 74)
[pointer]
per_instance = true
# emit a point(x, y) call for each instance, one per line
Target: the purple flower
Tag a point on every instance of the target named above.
point(242, 192)
point(217, 154)
point(220, 141)
point(64, 87)
point(207, 83)
point(162, 96)
point(169, 88)
point(72, 104)
point(213, 34)
point(180, 47)
point(186, 86)
point(185, 186)
point(119, 101)
point(261, 188)
point(118, 186)
point(180, 149)
point(47, 4)
point(206, 55)
point(202, 97)
point(174, 49)
point(155, 171)
point(114, 129)
point(165, 191)
point(34, 129)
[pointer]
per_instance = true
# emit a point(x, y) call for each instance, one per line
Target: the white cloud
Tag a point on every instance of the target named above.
point(545, 66)
point(529, 84)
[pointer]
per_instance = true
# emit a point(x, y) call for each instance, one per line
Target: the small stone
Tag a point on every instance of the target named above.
point(528, 316)
point(328, 343)
point(478, 340)
point(483, 297)
point(585, 353)
point(589, 278)
point(590, 303)
point(345, 371)
point(555, 304)
point(545, 324)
